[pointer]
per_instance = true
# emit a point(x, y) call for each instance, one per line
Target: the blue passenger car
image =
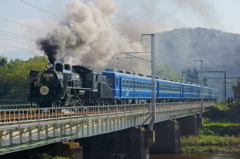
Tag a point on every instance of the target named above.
point(169, 89)
point(128, 87)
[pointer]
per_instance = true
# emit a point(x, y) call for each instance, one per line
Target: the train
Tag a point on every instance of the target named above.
point(77, 85)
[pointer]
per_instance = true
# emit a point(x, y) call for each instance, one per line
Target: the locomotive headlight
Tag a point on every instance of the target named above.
point(49, 66)
point(44, 90)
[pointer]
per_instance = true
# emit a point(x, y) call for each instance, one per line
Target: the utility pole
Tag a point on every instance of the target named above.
point(153, 104)
point(225, 87)
point(153, 72)
point(182, 75)
point(202, 108)
point(224, 80)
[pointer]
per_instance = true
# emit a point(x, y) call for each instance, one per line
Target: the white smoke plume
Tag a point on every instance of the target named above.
point(88, 37)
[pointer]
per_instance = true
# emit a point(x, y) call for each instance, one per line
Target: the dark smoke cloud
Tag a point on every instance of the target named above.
point(89, 37)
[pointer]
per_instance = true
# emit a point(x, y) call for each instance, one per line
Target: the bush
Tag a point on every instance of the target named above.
point(46, 156)
point(220, 129)
point(234, 111)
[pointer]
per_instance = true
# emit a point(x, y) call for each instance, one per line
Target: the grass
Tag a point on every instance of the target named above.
point(203, 140)
point(209, 149)
point(214, 136)
point(223, 106)
point(209, 143)
point(46, 156)
point(218, 132)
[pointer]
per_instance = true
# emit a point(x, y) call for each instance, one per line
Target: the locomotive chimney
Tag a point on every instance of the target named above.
point(52, 58)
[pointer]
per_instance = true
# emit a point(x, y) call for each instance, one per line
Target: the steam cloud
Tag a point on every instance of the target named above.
point(89, 37)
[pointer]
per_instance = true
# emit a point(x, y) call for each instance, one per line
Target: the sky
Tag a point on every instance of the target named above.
point(21, 24)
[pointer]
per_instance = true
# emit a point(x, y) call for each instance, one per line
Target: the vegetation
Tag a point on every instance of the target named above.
point(220, 131)
point(192, 76)
point(236, 90)
point(14, 77)
point(224, 112)
point(167, 71)
point(45, 156)
point(210, 140)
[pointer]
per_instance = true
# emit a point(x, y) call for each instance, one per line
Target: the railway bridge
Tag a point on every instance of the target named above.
point(113, 131)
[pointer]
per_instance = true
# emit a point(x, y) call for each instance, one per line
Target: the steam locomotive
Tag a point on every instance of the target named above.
point(66, 85)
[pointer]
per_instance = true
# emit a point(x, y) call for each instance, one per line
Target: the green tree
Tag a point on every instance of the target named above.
point(192, 75)
point(3, 61)
point(195, 75)
point(167, 71)
point(14, 77)
point(188, 75)
point(205, 81)
point(236, 90)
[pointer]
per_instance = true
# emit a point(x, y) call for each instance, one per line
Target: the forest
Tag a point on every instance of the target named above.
point(14, 77)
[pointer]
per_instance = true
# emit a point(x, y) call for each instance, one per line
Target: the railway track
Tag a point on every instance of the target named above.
point(33, 114)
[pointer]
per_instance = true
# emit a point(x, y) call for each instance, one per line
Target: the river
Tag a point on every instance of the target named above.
point(197, 156)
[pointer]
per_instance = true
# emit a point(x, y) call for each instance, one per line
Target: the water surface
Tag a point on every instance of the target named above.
point(197, 156)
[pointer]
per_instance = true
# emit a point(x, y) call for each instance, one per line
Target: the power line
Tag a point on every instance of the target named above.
point(67, 20)
point(17, 47)
point(17, 42)
point(176, 61)
point(17, 37)
point(96, 30)
point(23, 25)
point(14, 34)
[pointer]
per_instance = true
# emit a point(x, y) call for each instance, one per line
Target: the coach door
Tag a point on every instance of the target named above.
point(120, 87)
point(182, 91)
point(133, 87)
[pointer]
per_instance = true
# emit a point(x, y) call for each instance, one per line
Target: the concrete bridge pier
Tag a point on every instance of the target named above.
point(71, 149)
point(167, 137)
point(190, 125)
point(131, 143)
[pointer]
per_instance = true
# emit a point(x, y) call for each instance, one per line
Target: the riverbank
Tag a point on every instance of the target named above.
point(220, 131)
point(210, 143)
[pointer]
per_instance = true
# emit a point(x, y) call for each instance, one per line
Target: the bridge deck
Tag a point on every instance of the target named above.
point(25, 128)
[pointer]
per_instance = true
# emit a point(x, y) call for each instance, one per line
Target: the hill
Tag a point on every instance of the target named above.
point(22, 54)
point(218, 50)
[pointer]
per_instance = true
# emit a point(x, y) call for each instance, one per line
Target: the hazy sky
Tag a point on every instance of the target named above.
point(133, 17)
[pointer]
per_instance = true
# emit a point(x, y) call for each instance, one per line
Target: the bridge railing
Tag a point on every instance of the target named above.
point(18, 115)
point(18, 106)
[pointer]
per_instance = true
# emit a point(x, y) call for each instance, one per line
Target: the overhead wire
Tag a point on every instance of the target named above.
point(23, 25)
point(72, 19)
point(96, 30)
point(18, 47)
point(14, 34)
point(176, 61)
point(17, 37)
point(16, 41)
point(103, 33)
point(173, 59)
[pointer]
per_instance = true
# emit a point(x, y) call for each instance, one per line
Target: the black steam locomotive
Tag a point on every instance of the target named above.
point(66, 85)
